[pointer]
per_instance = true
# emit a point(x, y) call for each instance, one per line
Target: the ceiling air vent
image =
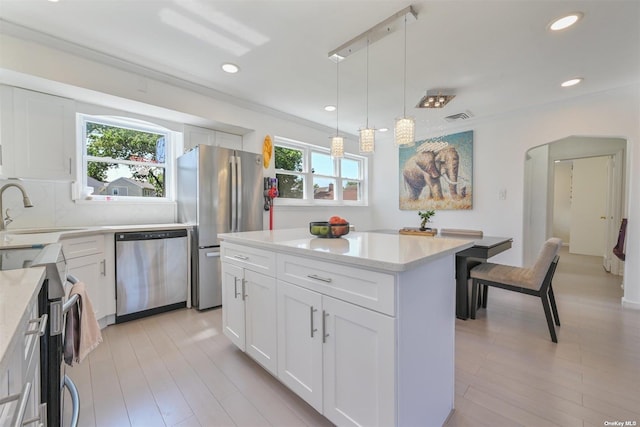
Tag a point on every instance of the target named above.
point(460, 116)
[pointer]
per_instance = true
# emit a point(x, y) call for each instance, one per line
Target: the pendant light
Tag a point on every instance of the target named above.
point(405, 126)
point(337, 142)
point(367, 135)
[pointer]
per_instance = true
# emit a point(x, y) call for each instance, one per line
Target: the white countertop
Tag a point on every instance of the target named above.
point(380, 251)
point(25, 238)
point(17, 289)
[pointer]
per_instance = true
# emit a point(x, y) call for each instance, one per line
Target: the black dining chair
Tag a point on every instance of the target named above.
point(535, 281)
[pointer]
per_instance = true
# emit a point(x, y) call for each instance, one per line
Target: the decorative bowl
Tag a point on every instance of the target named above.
point(328, 231)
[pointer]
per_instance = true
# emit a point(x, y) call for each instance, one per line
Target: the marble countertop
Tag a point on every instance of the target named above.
point(17, 289)
point(29, 237)
point(379, 251)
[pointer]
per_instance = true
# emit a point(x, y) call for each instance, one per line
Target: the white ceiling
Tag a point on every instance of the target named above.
point(497, 56)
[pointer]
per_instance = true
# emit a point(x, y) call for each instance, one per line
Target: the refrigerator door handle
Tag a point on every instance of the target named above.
point(234, 194)
point(240, 194)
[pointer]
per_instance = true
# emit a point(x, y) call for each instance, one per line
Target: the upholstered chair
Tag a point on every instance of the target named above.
point(535, 280)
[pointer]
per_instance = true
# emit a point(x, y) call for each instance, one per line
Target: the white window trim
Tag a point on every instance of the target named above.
point(79, 193)
point(308, 199)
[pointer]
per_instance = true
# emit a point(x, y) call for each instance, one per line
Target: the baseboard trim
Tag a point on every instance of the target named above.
point(633, 305)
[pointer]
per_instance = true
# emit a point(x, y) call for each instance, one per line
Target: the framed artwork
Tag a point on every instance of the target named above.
point(437, 174)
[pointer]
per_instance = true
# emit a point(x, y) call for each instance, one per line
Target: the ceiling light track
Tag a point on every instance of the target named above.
point(375, 33)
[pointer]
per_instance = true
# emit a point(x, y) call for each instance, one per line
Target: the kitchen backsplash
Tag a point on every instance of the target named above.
point(52, 206)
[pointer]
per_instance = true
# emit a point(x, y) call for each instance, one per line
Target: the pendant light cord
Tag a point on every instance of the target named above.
point(404, 85)
point(367, 97)
point(337, 93)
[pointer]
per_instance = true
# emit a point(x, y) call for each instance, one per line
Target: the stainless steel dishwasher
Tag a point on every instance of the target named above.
point(151, 272)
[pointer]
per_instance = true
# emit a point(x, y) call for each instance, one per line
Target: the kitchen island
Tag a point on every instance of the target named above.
point(361, 327)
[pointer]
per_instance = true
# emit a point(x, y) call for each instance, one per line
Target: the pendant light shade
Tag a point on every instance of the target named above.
point(337, 147)
point(405, 132)
point(367, 140)
point(405, 126)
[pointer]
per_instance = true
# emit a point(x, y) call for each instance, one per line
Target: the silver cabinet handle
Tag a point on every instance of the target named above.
point(311, 311)
point(316, 277)
point(42, 321)
point(235, 288)
point(70, 166)
point(324, 326)
point(212, 254)
point(242, 257)
point(103, 267)
point(244, 290)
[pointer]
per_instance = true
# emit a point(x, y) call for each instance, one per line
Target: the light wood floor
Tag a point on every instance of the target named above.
point(177, 369)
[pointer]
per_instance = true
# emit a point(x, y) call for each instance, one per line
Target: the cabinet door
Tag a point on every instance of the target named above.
point(300, 342)
point(359, 365)
point(260, 308)
point(228, 140)
point(233, 304)
point(89, 269)
point(194, 135)
point(44, 135)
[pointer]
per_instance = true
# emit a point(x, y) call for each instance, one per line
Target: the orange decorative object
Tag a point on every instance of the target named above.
point(267, 149)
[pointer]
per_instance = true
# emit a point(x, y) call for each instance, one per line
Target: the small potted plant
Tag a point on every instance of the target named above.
point(425, 218)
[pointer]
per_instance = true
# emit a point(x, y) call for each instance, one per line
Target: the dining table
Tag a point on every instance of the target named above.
point(483, 248)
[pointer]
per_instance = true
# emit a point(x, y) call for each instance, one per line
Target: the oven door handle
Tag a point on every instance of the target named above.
point(75, 401)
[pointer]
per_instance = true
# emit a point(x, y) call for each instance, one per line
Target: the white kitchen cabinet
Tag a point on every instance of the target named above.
point(38, 135)
point(86, 261)
point(24, 370)
point(233, 308)
point(249, 303)
point(228, 140)
point(194, 135)
point(336, 356)
point(363, 341)
point(358, 365)
point(300, 342)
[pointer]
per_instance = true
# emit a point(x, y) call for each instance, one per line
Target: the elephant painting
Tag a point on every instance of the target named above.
point(426, 168)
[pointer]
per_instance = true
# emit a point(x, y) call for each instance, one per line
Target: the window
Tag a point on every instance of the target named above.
point(123, 158)
point(308, 175)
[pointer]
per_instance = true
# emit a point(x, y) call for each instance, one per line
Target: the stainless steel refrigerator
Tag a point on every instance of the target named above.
point(219, 191)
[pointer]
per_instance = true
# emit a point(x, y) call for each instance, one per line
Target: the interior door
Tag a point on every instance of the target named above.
point(589, 208)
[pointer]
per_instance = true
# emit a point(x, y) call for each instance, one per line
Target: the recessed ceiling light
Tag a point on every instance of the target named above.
point(383, 129)
point(565, 21)
point(572, 82)
point(230, 68)
point(329, 108)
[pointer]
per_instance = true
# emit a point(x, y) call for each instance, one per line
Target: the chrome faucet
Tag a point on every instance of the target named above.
point(25, 201)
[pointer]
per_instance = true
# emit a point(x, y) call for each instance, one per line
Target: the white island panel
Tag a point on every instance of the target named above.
point(372, 317)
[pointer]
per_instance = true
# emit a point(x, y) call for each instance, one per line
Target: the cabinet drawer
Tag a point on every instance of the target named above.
point(81, 246)
point(365, 288)
point(250, 258)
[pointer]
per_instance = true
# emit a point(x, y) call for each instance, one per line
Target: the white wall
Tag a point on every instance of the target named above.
point(37, 67)
point(499, 147)
point(562, 201)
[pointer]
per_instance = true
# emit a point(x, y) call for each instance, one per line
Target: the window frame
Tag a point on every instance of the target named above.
point(307, 174)
point(132, 124)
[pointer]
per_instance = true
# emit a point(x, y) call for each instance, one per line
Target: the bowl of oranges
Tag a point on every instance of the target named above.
point(335, 227)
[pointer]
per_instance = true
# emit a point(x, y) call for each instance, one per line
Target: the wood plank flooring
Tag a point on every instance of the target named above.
point(177, 369)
